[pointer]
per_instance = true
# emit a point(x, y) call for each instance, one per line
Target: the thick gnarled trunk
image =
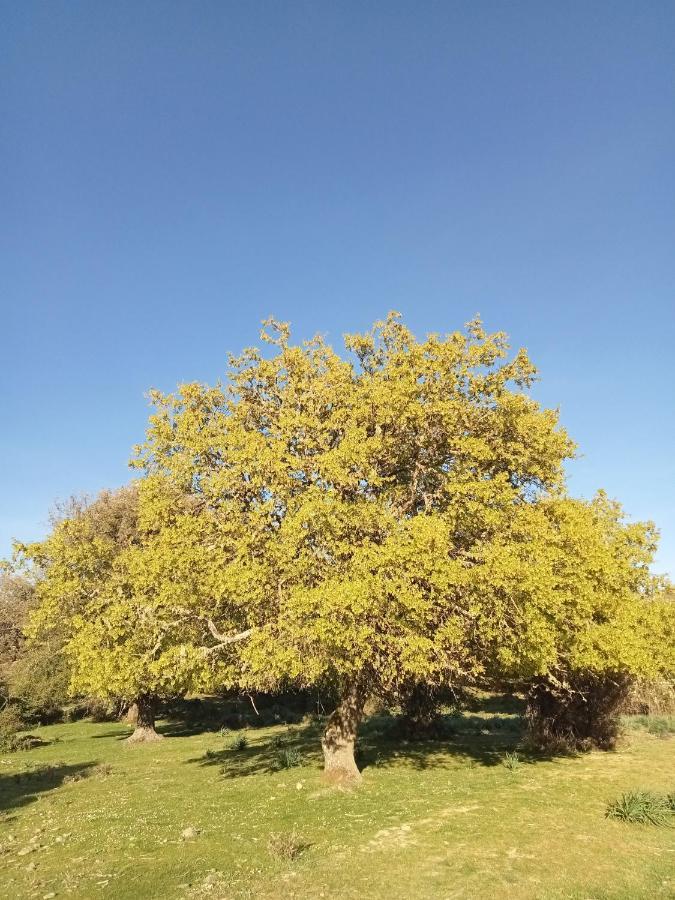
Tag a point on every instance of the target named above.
point(145, 721)
point(339, 738)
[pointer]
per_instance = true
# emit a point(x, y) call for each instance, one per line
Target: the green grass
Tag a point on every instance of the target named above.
point(85, 816)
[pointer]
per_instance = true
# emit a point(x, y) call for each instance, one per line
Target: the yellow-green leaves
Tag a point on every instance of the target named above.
point(353, 493)
point(395, 514)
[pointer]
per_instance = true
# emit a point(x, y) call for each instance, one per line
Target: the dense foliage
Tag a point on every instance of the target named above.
point(395, 516)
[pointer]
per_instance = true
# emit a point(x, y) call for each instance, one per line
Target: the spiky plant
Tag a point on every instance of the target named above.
point(641, 807)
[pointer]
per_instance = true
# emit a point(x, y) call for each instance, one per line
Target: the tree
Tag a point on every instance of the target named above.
point(16, 599)
point(572, 581)
point(33, 679)
point(76, 566)
point(126, 579)
point(584, 616)
point(351, 497)
point(394, 518)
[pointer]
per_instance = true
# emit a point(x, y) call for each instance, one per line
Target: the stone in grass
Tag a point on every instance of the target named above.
point(187, 834)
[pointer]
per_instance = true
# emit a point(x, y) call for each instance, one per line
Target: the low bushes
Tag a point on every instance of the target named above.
point(650, 698)
point(12, 723)
point(288, 758)
point(576, 712)
point(661, 726)
point(237, 742)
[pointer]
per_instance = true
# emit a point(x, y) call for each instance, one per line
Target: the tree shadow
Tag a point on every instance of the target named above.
point(178, 729)
point(297, 746)
point(460, 738)
point(166, 728)
point(120, 734)
point(199, 715)
point(21, 788)
point(466, 739)
point(470, 748)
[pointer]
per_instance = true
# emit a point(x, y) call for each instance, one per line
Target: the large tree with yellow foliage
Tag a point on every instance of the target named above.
point(395, 515)
point(362, 498)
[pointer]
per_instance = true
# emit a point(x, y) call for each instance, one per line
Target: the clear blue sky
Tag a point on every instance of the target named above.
point(171, 173)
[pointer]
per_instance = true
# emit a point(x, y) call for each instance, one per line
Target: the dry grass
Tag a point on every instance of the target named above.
point(286, 845)
point(651, 698)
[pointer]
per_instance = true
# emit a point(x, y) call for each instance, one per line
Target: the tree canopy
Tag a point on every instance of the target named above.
point(397, 513)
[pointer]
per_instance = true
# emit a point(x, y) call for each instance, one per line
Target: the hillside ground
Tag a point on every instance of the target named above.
point(86, 816)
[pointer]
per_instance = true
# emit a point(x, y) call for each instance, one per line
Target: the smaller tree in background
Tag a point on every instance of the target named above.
point(74, 567)
point(127, 580)
point(33, 679)
point(16, 600)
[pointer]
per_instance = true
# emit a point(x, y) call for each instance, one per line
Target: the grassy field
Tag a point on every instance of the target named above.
point(86, 816)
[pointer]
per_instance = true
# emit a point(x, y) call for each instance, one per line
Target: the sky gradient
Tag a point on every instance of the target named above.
point(174, 172)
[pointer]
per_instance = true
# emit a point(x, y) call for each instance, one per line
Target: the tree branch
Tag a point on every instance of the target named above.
point(224, 640)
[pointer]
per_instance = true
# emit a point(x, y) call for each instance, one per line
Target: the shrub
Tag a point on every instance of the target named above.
point(662, 726)
point(286, 845)
point(103, 710)
point(642, 807)
point(650, 698)
point(288, 758)
point(11, 723)
point(39, 681)
point(237, 742)
point(15, 742)
point(576, 712)
point(512, 762)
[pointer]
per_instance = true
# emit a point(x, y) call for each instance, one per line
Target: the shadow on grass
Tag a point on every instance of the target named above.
point(21, 788)
point(468, 739)
point(263, 756)
point(167, 728)
point(177, 729)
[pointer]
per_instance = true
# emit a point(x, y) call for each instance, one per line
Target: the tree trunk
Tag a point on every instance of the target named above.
point(130, 717)
point(145, 721)
point(339, 737)
point(421, 719)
